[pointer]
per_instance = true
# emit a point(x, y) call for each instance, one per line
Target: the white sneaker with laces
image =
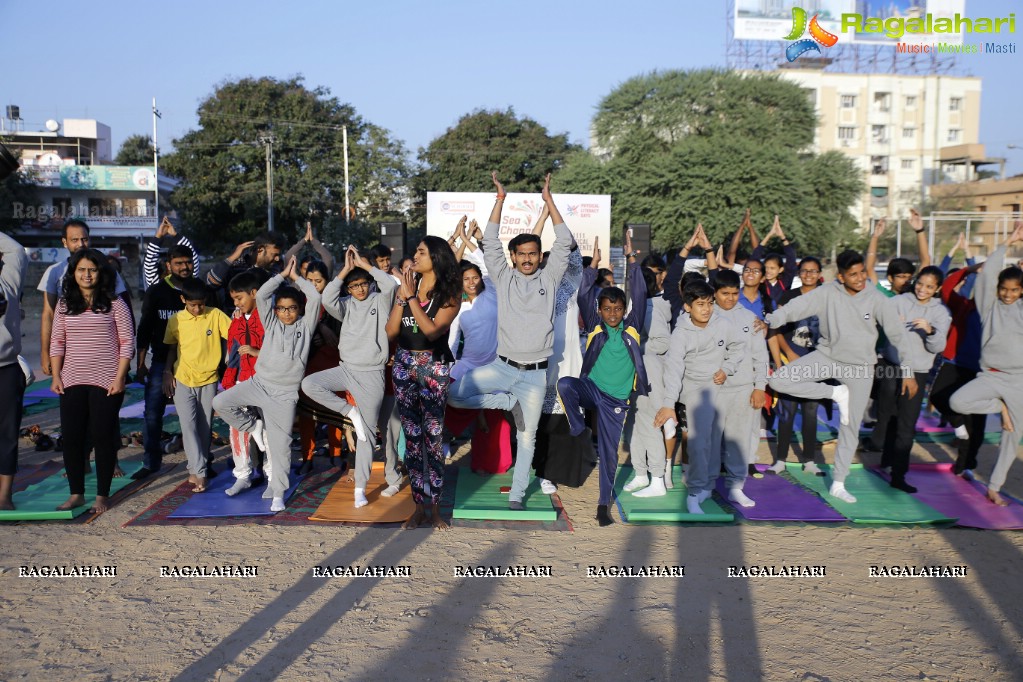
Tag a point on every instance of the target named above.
point(547, 487)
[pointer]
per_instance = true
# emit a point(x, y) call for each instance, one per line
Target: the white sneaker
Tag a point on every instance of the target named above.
point(841, 398)
point(655, 489)
point(777, 467)
point(277, 505)
point(547, 488)
point(838, 490)
point(357, 423)
point(258, 434)
point(693, 504)
point(812, 468)
point(390, 491)
point(736, 495)
point(962, 433)
point(239, 485)
point(637, 483)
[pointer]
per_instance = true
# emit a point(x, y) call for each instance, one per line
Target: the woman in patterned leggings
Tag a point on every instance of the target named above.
point(424, 308)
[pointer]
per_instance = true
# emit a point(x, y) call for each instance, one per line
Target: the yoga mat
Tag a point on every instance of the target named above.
point(137, 410)
point(877, 502)
point(480, 497)
point(339, 504)
point(38, 502)
point(670, 507)
point(955, 496)
point(779, 499)
point(215, 504)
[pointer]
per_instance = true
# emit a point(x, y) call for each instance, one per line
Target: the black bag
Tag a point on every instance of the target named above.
point(560, 457)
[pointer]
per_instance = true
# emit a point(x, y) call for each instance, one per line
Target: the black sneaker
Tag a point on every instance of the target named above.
point(142, 473)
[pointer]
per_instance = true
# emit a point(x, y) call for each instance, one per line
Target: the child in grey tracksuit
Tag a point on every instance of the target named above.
point(741, 426)
point(848, 327)
point(999, 386)
point(364, 351)
point(279, 369)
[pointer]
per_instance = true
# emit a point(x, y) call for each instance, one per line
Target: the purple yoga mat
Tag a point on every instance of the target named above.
point(954, 496)
point(779, 499)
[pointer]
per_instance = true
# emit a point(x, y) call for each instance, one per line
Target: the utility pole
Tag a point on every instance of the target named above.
point(344, 138)
point(268, 141)
point(156, 167)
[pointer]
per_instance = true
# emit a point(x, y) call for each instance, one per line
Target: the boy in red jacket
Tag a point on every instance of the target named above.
point(244, 340)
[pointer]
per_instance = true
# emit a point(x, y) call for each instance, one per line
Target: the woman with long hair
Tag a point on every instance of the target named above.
point(427, 302)
point(91, 346)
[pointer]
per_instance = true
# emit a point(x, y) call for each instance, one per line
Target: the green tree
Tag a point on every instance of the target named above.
point(521, 150)
point(136, 150)
point(19, 200)
point(676, 148)
point(222, 164)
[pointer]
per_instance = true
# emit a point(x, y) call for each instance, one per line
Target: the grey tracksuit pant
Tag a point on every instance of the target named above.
point(740, 424)
point(367, 387)
point(983, 395)
point(194, 406)
point(389, 426)
point(646, 444)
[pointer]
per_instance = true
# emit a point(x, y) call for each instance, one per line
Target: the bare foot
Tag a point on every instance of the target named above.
point(101, 505)
point(72, 502)
point(6, 504)
point(200, 485)
point(438, 521)
point(193, 480)
point(118, 471)
point(996, 498)
point(416, 519)
point(1006, 420)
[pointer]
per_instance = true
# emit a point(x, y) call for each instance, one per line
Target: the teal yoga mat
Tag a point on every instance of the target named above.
point(38, 502)
point(876, 502)
point(480, 497)
point(668, 508)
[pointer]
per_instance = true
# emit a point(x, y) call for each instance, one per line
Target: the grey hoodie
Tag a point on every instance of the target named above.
point(285, 349)
point(363, 339)
point(12, 279)
point(1003, 324)
point(921, 347)
point(848, 323)
point(753, 364)
point(697, 353)
point(525, 304)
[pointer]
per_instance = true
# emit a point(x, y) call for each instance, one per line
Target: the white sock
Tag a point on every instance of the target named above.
point(777, 467)
point(360, 498)
point(357, 423)
point(390, 491)
point(736, 495)
point(962, 433)
point(655, 489)
point(239, 485)
point(667, 474)
point(811, 468)
point(258, 434)
point(703, 495)
point(693, 504)
point(637, 482)
point(277, 505)
point(841, 397)
point(838, 490)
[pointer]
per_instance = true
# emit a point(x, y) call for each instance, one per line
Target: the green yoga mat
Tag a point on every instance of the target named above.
point(480, 497)
point(670, 507)
point(38, 502)
point(876, 501)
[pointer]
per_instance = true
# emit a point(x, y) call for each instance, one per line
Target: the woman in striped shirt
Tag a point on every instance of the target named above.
point(91, 347)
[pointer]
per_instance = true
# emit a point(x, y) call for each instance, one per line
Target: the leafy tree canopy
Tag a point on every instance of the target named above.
point(222, 164)
point(136, 150)
point(702, 147)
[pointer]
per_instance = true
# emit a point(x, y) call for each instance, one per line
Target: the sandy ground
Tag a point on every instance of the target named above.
point(286, 624)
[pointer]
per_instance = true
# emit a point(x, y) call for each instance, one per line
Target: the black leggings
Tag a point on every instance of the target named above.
point(12, 393)
point(88, 410)
point(786, 419)
point(949, 380)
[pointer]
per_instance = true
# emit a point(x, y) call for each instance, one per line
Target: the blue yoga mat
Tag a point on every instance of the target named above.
point(214, 503)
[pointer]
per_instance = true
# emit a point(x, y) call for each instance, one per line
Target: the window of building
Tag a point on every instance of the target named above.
point(954, 134)
point(879, 133)
point(908, 133)
point(878, 165)
point(911, 101)
point(848, 101)
point(955, 104)
point(878, 196)
point(847, 133)
point(907, 164)
point(883, 101)
point(105, 208)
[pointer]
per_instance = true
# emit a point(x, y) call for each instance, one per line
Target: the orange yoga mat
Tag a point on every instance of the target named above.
point(339, 505)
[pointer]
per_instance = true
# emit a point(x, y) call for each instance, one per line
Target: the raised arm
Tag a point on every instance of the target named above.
point(265, 295)
point(637, 296)
point(917, 223)
point(541, 220)
point(733, 248)
point(493, 251)
point(870, 262)
point(217, 275)
point(986, 291)
point(557, 262)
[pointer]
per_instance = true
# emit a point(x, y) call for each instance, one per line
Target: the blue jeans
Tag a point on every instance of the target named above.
point(498, 386)
point(156, 403)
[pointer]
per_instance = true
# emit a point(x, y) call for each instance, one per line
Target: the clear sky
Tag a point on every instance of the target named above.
point(412, 66)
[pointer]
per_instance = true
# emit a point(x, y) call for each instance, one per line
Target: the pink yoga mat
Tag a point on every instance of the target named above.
point(956, 497)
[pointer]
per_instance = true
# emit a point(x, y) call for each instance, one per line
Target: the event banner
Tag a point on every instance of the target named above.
point(108, 177)
point(587, 215)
